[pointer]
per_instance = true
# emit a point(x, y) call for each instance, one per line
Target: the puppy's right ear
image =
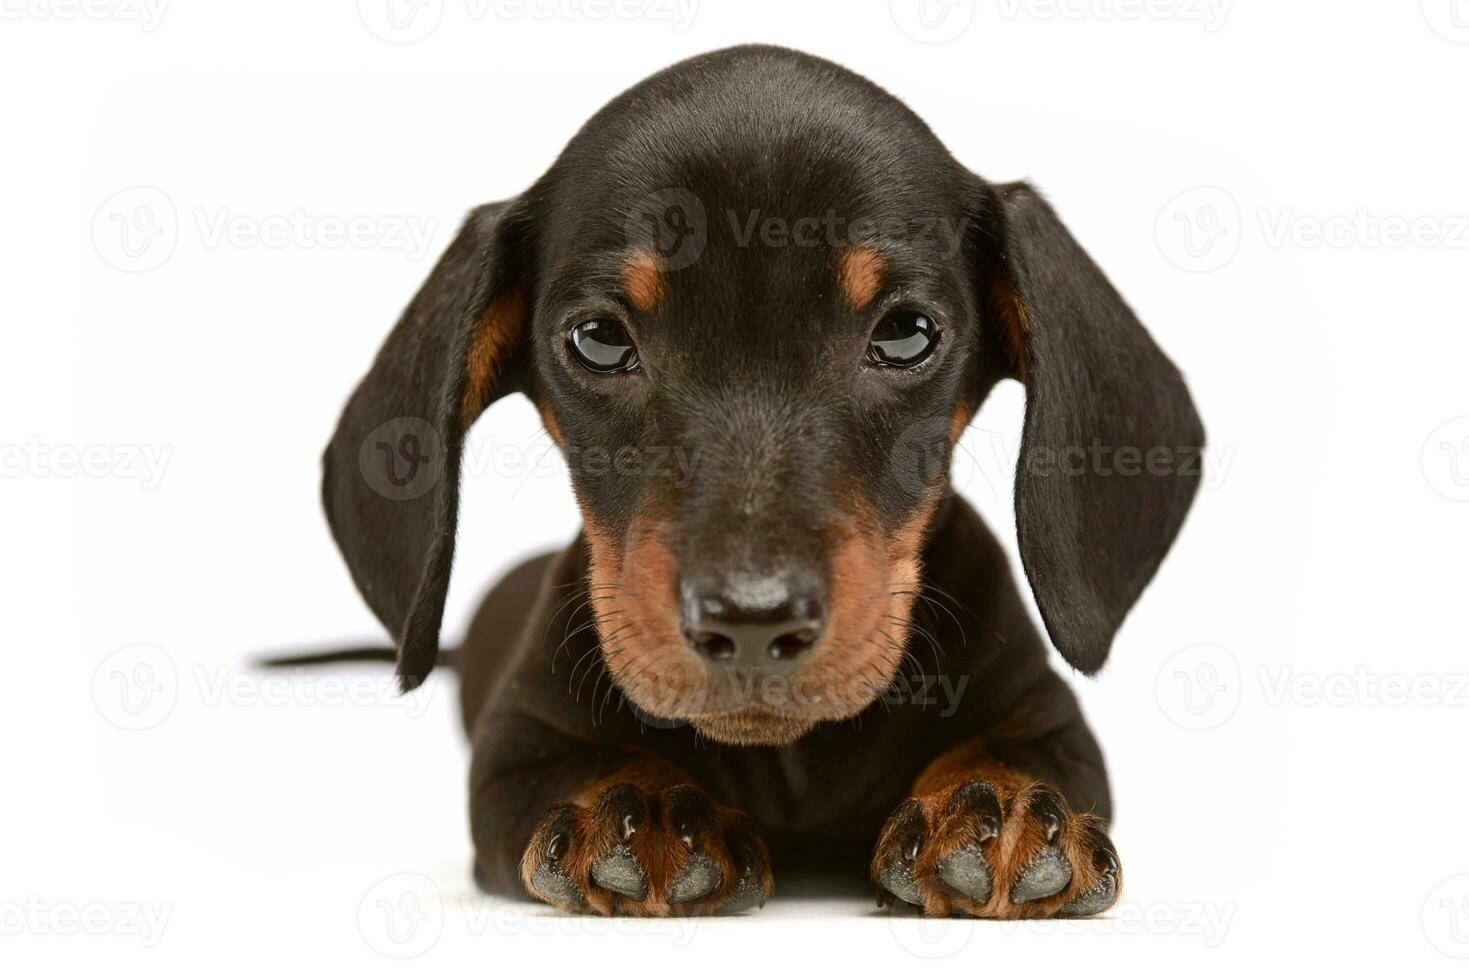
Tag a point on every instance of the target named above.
point(390, 480)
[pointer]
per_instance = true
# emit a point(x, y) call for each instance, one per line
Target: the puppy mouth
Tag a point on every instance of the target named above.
point(753, 724)
point(634, 597)
point(751, 708)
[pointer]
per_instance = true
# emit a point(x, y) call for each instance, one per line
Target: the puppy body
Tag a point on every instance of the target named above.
point(542, 734)
point(798, 649)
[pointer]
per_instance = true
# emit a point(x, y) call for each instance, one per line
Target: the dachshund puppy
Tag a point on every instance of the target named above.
point(756, 302)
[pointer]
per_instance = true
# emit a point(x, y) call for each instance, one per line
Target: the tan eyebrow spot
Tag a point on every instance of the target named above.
point(642, 280)
point(860, 273)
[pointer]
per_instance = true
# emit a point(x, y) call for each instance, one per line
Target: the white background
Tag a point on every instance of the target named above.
point(1279, 189)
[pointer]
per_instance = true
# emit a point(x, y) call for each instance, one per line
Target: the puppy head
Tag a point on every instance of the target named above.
point(756, 302)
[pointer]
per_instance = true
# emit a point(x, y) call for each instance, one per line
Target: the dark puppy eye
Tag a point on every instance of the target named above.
point(902, 339)
point(603, 346)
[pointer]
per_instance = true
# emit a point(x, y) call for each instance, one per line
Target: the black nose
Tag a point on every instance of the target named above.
point(762, 621)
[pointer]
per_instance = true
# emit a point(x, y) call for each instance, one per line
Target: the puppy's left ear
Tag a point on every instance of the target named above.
point(1111, 454)
point(390, 480)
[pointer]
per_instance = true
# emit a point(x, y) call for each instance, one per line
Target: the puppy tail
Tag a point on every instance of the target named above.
point(348, 655)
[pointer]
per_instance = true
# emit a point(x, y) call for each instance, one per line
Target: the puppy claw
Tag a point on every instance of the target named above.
point(640, 852)
point(996, 852)
point(975, 804)
point(1045, 875)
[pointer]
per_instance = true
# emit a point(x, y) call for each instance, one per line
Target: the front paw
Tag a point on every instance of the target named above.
point(987, 852)
point(632, 852)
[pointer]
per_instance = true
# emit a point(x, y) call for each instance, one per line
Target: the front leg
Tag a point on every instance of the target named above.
point(981, 837)
point(615, 832)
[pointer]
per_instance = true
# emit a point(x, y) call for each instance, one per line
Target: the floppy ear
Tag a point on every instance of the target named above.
point(1111, 454)
point(390, 481)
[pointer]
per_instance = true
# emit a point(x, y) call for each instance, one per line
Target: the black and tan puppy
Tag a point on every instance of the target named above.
point(756, 302)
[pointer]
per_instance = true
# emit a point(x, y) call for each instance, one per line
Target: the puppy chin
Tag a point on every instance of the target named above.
point(752, 726)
